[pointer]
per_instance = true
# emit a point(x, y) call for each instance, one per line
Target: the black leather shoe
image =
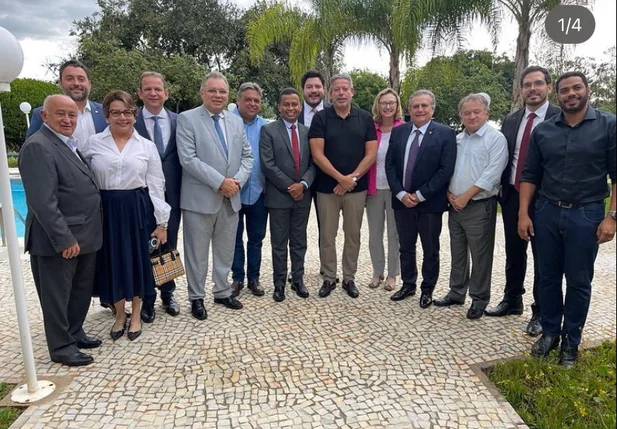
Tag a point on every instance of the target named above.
point(426, 300)
point(147, 313)
point(569, 353)
point(198, 309)
point(446, 301)
point(76, 359)
point(89, 343)
point(474, 313)
point(133, 335)
point(534, 327)
point(236, 288)
point(115, 335)
point(279, 294)
point(300, 289)
point(543, 347)
point(351, 289)
point(326, 288)
point(171, 306)
point(505, 309)
point(230, 302)
point(255, 288)
point(403, 293)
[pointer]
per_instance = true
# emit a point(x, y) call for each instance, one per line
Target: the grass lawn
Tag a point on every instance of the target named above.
point(548, 396)
point(7, 415)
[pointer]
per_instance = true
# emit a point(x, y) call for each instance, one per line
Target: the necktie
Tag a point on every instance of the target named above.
point(522, 154)
point(72, 143)
point(295, 146)
point(158, 135)
point(411, 160)
point(219, 131)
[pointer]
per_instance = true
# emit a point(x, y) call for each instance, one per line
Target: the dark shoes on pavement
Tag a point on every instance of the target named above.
point(300, 289)
point(147, 313)
point(505, 308)
point(474, 312)
point(76, 359)
point(230, 302)
point(544, 345)
point(279, 294)
point(534, 327)
point(403, 293)
point(326, 288)
point(89, 343)
point(198, 310)
point(171, 306)
point(426, 300)
point(236, 288)
point(351, 289)
point(255, 288)
point(446, 301)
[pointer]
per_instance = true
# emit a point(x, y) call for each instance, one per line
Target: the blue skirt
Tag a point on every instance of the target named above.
point(123, 269)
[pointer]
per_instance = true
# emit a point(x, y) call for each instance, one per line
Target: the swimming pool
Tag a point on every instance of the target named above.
point(19, 203)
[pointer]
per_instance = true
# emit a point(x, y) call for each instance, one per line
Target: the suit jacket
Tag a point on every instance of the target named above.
point(203, 161)
point(64, 205)
point(100, 123)
point(170, 160)
point(301, 117)
point(433, 170)
point(509, 128)
point(277, 164)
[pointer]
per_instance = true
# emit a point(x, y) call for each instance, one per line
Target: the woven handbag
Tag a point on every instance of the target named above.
point(166, 265)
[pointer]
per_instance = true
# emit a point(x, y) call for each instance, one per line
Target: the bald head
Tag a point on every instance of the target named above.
point(60, 114)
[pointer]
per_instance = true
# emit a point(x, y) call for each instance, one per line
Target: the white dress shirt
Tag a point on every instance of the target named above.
point(382, 179)
point(309, 112)
point(164, 123)
point(412, 136)
point(540, 115)
point(85, 124)
point(137, 166)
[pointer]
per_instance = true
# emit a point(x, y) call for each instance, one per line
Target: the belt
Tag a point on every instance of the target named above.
point(482, 200)
point(566, 205)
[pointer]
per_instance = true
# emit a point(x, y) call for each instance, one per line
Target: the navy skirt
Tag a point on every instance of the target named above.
point(123, 269)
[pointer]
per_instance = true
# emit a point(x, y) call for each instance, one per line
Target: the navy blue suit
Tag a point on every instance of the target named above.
point(431, 176)
point(173, 182)
point(100, 123)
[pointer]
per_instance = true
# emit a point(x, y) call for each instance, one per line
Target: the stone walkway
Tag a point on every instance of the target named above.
point(315, 363)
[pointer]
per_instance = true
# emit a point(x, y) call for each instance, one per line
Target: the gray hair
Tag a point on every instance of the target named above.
point(344, 76)
point(213, 75)
point(421, 92)
point(49, 98)
point(473, 97)
point(250, 85)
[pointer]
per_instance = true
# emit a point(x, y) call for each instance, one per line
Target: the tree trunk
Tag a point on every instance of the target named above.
point(521, 61)
point(395, 72)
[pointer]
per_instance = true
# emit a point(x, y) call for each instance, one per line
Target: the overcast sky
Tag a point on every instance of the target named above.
point(43, 27)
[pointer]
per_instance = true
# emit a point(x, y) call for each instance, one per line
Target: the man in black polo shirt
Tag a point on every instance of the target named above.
point(569, 158)
point(343, 145)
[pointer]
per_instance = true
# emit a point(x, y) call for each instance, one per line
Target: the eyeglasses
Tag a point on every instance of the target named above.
point(387, 103)
point(117, 113)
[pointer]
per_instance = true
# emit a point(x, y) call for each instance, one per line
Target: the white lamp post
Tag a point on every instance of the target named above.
point(11, 63)
point(231, 107)
point(25, 107)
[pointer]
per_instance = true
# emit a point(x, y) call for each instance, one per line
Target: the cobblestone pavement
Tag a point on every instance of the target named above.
point(315, 363)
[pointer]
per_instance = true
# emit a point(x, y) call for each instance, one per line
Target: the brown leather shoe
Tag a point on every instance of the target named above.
point(255, 288)
point(236, 287)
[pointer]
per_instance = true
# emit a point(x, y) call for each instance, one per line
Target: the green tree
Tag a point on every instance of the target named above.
point(366, 86)
point(31, 90)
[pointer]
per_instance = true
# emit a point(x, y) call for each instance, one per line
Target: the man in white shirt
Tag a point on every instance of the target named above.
point(158, 124)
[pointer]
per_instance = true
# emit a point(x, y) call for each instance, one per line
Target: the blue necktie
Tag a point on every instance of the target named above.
point(219, 131)
point(158, 135)
point(411, 160)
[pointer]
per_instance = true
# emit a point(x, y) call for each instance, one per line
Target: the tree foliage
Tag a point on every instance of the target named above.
point(366, 85)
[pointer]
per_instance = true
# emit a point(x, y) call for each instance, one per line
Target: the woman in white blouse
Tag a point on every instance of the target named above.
point(128, 170)
point(387, 114)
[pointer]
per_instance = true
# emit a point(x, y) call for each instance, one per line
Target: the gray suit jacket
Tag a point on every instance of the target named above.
point(278, 165)
point(203, 161)
point(64, 205)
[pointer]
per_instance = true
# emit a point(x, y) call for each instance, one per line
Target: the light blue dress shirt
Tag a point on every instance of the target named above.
point(254, 187)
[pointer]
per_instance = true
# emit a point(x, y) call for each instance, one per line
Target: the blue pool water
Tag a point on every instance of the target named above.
point(19, 202)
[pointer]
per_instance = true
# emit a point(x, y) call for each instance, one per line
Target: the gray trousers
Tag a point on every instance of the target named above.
point(199, 230)
point(472, 230)
point(379, 212)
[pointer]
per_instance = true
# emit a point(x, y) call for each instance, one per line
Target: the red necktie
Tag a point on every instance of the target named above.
point(522, 154)
point(295, 146)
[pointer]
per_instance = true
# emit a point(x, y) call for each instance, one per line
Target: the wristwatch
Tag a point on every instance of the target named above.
point(613, 214)
point(355, 179)
point(163, 225)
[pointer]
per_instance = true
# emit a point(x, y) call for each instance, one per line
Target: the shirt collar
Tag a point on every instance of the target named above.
point(589, 115)
point(332, 111)
point(237, 113)
point(88, 108)
point(222, 114)
point(60, 136)
point(289, 124)
point(308, 108)
point(480, 132)
point(423, 128)
point(147, 114)
point(540, 112)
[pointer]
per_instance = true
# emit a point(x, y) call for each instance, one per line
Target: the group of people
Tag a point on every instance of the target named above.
point(101, 180)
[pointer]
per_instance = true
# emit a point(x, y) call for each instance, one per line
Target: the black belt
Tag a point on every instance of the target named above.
point(482, 200)
point(566, 205)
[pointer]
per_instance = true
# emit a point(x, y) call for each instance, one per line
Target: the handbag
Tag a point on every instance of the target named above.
point(166, 265)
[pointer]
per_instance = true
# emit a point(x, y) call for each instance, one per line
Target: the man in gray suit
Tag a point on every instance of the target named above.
point(63, 229)
point(216, 161)
point(286, 162)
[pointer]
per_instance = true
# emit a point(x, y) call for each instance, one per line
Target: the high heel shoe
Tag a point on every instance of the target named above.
point(115, 335)
point(134, 335)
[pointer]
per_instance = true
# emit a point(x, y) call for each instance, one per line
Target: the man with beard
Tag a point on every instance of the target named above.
point(75, 82)
point(517, 128)
point(568, 161)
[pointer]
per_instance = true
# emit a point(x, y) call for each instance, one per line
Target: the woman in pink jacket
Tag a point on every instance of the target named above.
point(387, 114)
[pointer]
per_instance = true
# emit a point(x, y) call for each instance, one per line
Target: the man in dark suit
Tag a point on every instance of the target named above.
point(517, 128)
point(286, 162)
point(63, 229)
point(158, 124)
point(75, 82)
point(419, 164)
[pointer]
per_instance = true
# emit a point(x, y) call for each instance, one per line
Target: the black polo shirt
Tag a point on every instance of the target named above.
point(344, 144)
point(570, 164)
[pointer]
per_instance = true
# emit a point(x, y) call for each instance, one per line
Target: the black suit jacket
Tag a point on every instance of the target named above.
point(301, 117)
point(170, 161)
point(433, 170)
point(64, 205)
point(509, 129)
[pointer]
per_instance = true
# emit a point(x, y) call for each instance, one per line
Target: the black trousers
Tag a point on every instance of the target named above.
point(410, 224)
point(288, 227)
point(516, 252)
point(65, 288)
